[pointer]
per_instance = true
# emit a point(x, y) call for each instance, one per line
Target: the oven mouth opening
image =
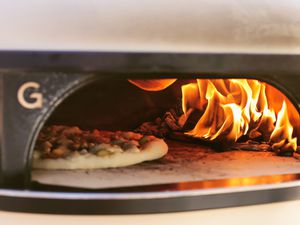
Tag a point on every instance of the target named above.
point(215, 129)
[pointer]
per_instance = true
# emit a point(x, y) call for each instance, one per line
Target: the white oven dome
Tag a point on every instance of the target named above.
point(256, 26)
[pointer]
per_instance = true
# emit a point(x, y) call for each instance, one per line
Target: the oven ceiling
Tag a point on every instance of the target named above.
point(257, 26)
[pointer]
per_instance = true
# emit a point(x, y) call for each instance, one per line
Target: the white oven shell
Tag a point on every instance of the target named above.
point(256, 26)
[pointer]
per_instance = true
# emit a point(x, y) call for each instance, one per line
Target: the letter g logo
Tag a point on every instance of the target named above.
point(37, 97)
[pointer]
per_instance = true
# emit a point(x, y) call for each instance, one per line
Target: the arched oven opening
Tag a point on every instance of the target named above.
point(219, 133)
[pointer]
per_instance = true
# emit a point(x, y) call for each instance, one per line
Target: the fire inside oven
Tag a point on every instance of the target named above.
point(215, 129)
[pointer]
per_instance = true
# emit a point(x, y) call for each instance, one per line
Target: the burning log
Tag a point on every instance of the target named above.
point(181, 136)
point(251, 146)
point(173, 125)
point(284, 152)
point(162, 126)
point(298, 149)
point(188, 121)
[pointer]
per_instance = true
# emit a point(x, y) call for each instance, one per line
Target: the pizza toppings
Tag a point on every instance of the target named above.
point(64, 147)
point(63, 141)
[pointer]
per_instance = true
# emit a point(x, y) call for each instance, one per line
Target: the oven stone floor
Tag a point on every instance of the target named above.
point(184, 162)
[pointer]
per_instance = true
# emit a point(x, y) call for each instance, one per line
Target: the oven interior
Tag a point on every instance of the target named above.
point(220, 133)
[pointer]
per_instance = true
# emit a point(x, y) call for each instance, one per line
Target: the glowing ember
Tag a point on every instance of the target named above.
point(233, 108)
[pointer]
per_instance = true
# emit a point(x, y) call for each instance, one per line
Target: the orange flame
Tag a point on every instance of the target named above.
point(153, 84)
point(236, 107)
point(282, 134)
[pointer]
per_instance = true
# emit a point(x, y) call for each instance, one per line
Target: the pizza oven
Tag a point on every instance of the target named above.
point(218, 82)
point(231, 122)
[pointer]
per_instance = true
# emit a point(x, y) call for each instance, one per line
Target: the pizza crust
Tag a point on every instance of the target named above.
point(152, 150)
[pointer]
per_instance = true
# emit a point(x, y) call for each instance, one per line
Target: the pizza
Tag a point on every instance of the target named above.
point(65, 147)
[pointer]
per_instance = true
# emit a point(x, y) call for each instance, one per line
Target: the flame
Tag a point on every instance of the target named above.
point(153, 85)
point(233, 108)
point(282, 134)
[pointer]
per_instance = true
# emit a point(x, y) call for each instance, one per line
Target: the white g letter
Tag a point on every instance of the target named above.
point(38, 97)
